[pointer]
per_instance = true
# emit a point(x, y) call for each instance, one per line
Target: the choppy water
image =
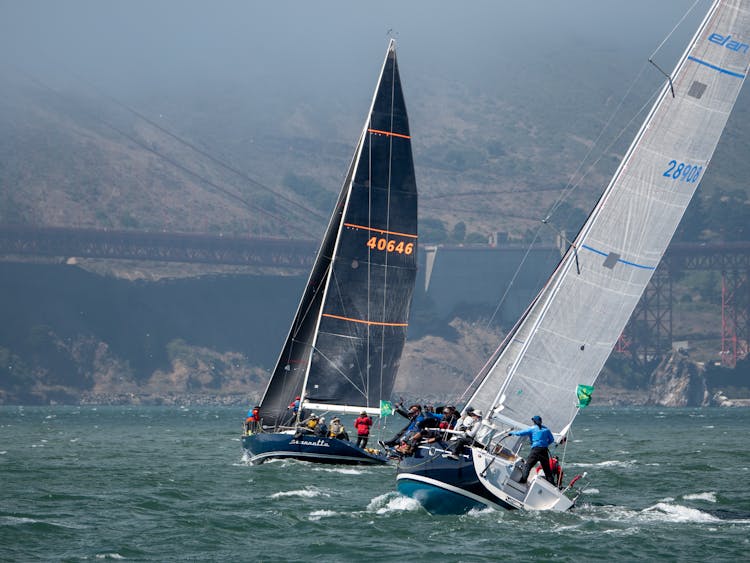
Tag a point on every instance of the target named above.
point(163, 484)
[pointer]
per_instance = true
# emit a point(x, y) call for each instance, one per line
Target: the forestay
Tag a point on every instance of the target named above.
point(569, 331)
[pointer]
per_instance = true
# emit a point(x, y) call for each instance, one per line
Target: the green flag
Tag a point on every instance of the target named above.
point(584, 395)
point(386, 408)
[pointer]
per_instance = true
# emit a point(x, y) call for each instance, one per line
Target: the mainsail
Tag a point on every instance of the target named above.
point(345, 344)
point(571, 327)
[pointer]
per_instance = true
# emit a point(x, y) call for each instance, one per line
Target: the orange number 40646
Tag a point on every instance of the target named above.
point(377, 243)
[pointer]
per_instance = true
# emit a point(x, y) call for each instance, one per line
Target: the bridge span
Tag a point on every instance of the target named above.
point(64, 242)
point(453, 277)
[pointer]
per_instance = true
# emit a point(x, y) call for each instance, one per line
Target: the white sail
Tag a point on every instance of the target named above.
point(571, 328)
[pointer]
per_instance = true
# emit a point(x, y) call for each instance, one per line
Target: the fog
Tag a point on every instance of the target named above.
point(278, 55)
point(246, 81)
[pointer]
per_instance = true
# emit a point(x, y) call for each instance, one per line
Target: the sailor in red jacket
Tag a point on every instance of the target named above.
point(363, 424)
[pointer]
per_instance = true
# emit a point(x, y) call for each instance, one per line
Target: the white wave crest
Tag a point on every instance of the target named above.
point(709, 496)
point(676, 513)
point(480, 512)
point(608, 463)
point(318, 514)
point(109, 556)
point(16, 521)
point(306, 493)
point(591, 491)
point(393, 502)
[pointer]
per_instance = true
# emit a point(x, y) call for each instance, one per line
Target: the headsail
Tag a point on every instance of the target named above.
point(569, 331)
point(345, 344)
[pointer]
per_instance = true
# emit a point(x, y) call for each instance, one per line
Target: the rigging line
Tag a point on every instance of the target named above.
point(509, 285)
point(573, 186)
point(332, 364)
point(678, 24)
point(164, 157)
point(623, 130)
point(576, 180)
point(316, 289)
point(352, 332)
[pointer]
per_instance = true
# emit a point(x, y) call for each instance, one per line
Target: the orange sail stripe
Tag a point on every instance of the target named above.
point(353, 226)
point(363, 322)
point(379, 132)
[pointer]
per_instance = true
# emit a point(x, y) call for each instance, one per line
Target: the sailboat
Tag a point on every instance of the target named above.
point(343, 349)
point(566, 334)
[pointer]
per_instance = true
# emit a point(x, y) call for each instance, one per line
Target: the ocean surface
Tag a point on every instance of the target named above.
point(165, 484)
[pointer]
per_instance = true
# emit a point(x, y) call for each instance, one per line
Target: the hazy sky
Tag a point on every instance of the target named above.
point(225, 73)
point(332, 48)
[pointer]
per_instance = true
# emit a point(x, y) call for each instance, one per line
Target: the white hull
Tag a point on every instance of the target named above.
point(499, 475)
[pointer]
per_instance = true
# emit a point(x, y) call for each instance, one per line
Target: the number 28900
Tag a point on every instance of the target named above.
point(378, 243)
point(685, 172)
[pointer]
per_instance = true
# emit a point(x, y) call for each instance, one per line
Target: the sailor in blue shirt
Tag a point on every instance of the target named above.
point(541, 438)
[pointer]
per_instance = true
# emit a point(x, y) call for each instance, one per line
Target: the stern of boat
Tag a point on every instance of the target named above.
point(499, 474)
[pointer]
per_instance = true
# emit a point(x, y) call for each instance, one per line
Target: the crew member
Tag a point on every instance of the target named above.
point(541, 437)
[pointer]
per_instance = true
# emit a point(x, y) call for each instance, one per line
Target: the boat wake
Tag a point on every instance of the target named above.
point(393, 502)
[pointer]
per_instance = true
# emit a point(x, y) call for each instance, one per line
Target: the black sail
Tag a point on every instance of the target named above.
point(345, 343)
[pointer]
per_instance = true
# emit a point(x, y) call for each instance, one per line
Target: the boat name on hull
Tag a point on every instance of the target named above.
point(320, 442)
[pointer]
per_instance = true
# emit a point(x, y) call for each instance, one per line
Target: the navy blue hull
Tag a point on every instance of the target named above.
point(264, 446)
point(443, 485)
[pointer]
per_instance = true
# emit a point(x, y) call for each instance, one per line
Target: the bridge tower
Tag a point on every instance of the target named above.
point(649, 333)
point(735, 298)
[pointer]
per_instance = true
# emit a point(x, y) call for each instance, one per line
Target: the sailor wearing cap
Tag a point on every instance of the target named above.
point(337, 430)
point(541, 437)
point(469, 426)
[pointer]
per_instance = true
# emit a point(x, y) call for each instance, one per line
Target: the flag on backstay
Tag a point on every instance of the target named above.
point(386, 408)
point(584, 395)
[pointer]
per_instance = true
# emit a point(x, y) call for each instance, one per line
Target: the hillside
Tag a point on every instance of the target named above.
point(70, 160)
point(242, 121)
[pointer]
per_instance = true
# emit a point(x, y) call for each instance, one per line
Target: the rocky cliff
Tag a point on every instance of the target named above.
point(678, 382)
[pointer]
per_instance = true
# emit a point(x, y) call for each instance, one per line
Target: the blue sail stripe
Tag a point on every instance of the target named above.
point(626, 262)
point(723, 70)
